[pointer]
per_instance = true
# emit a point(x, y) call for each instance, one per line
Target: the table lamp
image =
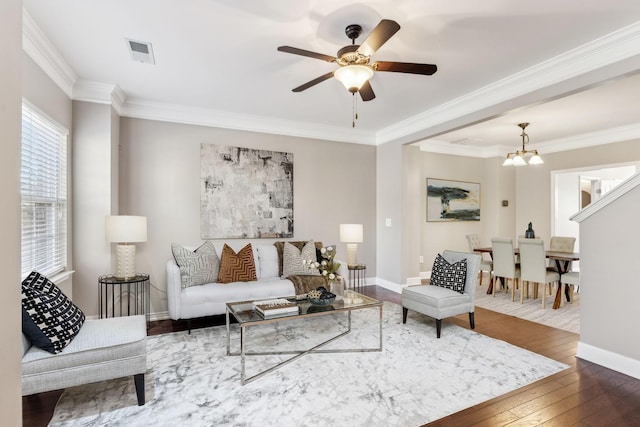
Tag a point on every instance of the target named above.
point(351, 234)
point(125, 230)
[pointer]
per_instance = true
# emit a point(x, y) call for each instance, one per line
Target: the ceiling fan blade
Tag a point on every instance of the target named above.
point(379, 36)
point(366, 92)
point(405, 67)
point(313, 82)
point(308, 53)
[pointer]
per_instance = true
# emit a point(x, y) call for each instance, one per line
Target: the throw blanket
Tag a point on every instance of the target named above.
point(305, 283)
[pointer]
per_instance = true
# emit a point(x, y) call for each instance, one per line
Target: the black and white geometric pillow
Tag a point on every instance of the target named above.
point(446, 275)
point(49, 319)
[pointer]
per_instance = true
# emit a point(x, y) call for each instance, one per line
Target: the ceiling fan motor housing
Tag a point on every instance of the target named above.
point(349, 55)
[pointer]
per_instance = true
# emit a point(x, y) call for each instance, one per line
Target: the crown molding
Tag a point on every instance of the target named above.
point(99, 93)
point(145, 109)
point(591, 139)
point(45, 54)
point(444, 147)
point(614, 47)
point(574, 142)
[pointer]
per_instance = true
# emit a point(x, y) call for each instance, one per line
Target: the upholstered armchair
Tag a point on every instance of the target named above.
point(441, 302)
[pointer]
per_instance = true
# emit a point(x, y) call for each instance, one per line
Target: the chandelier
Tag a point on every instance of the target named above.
point(518, 157)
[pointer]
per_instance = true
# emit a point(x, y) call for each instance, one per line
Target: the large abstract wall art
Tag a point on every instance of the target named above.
point(245, 193)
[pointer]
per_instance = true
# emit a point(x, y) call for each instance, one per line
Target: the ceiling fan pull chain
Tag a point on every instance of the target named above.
point(353, 111)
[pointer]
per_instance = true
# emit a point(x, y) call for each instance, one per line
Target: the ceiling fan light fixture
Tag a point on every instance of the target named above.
point(353, 76)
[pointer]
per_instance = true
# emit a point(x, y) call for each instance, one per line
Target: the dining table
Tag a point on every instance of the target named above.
point(562, 260)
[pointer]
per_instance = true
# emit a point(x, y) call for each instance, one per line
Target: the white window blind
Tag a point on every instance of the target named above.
point(43, 189)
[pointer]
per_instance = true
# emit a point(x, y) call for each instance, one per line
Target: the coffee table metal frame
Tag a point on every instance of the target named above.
point(243, 312)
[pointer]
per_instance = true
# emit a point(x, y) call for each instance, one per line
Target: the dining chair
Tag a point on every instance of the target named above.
point(504, 264)
point(533, 268)
point(485, 265)
point(570, 280)
point(561, 244)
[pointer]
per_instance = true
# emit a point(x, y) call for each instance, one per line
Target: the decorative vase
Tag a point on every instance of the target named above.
point(529, 233)
point(336, 286)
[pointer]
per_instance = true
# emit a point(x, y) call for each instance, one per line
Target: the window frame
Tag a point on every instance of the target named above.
point(44, 193)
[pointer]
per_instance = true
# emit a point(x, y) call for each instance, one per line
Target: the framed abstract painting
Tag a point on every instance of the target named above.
point(449, 200)
point(245, 193)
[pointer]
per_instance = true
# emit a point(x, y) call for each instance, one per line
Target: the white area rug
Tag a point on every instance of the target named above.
point(414, 380)
point(566, 317)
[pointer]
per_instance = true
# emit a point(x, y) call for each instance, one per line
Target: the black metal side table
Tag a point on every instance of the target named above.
point(124, 297)
point(357, 275)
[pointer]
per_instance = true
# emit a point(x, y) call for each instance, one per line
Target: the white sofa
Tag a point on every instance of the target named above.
point(211, 298)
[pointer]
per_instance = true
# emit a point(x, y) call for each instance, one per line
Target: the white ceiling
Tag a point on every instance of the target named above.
point(217, 64)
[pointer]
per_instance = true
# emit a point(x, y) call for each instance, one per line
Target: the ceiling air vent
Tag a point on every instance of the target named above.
point(141, 51)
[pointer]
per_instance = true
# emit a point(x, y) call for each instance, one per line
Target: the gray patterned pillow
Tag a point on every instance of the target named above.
point(197, 267)
point(292, 258)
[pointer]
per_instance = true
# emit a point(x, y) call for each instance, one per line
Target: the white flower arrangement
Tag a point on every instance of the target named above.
point(327, 267)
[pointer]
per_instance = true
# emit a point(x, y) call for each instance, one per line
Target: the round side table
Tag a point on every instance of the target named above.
point(357, 276)
point(124, 297)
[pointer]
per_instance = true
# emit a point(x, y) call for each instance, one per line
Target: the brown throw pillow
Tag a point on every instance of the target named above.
point(237, 267)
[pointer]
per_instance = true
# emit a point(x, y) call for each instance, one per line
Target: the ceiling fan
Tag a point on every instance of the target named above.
point(355, 63)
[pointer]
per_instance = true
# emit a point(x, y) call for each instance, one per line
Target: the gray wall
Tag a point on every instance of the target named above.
point(496, 184)
point(609, 289)
point(95, 194)
point(10, 114)
point(334, 183)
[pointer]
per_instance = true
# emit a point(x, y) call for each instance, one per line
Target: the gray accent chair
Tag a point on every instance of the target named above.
point(104, 349)
point(439, 302)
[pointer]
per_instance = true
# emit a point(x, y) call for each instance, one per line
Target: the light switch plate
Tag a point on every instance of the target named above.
point(387, 222)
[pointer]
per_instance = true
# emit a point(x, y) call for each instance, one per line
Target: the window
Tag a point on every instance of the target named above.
point(43, 191)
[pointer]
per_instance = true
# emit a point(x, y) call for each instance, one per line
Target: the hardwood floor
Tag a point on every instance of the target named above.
point(586, 394)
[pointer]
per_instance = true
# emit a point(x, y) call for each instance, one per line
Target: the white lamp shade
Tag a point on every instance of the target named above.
point(351, 233)
point(125, 228)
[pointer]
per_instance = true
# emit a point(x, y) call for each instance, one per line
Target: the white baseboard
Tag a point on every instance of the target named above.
point(392, 286)
point(414, 281)
point(608, 359)
point(162, 315)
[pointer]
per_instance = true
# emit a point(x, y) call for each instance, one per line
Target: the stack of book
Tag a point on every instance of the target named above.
point(275, 307)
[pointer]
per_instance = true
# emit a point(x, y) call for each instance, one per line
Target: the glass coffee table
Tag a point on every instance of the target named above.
point(244, 313)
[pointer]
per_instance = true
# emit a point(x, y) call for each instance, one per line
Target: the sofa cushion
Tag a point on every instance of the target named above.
point(298, 244)
point(49, 319)
point(451, 276)
point(292, 259)
point(237, 267)
point(99, 341)
point(196, 267)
